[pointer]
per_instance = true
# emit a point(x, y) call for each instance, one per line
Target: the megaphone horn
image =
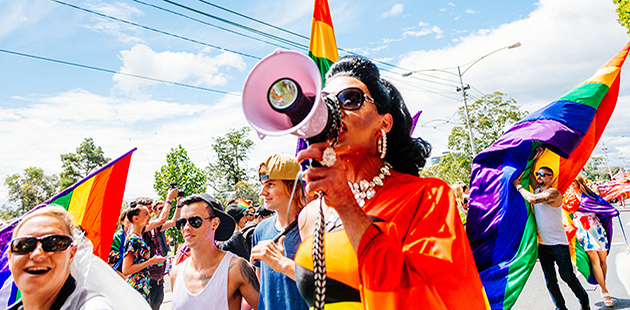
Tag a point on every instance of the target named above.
point(282, 95)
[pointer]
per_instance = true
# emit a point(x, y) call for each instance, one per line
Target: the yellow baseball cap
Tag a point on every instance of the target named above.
point(279, 167)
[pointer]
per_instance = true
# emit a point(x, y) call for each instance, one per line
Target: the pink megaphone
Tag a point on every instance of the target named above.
point(281, 96)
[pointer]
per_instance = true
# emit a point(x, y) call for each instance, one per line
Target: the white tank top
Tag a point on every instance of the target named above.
point(549, 224)
point(212, 296)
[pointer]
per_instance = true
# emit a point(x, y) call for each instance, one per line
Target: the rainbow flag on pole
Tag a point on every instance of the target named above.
point(323, 46)
point(501, 226)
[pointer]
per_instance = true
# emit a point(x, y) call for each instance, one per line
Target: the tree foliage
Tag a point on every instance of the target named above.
point(597, 170)
point(623, 12)
point(76, 166)
point(179, 169)
point(249, 191)
point(27, 190)
point(489, 118)
point(232, 151)
point(452, 167)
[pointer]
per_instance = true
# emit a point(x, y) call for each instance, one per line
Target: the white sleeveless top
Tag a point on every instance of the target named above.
point(212, 296)
point(549, 224)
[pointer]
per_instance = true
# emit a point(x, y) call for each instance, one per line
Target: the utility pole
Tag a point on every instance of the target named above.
point(470, 133)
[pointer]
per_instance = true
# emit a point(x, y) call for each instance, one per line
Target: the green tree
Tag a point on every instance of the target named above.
point(452, 167)
point(593, 169)
point(489, 118)
point(179, 169)
point(28, 190)
point(76, 166)
point(623, 11)
point(232, 151)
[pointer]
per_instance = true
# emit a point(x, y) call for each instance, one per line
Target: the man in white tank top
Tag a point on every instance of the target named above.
point(210, 278)
point(553, 245)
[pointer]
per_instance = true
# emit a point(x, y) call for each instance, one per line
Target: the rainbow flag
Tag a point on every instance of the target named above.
point(501, 226)
point(242, 203)
point(94, 203)
point(323, 46)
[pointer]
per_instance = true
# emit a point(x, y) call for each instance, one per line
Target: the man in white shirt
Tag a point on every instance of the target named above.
point(553, 245)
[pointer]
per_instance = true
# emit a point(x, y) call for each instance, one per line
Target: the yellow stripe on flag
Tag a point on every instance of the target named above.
point(79, 200)
point(604, 76)
point(323, 44)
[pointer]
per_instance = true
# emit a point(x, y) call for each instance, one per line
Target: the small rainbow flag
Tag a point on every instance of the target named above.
point(323, 46)
point(243, 203)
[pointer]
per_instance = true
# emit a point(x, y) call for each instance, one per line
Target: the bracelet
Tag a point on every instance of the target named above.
point(180, 206)
point(518, 187)
point(170, 202)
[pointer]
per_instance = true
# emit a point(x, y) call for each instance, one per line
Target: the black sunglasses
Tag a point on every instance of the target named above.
point(50, 243)
point(542, 174)
point(194, 221)
point(159, 208)
point(351, 98)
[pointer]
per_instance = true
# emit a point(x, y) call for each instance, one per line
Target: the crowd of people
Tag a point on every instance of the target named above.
point(363, 231)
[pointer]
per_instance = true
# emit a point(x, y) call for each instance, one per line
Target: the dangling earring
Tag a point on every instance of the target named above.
point(381, 144)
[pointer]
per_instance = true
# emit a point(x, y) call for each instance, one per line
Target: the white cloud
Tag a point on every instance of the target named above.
point(396, 10)
point(423, 24)
point(469, 11)
point(199, 69)
point(563, 43)
point(115, 28)
point(439, 33)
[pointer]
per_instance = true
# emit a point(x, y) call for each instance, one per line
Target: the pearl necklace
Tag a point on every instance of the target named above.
point(365, 190)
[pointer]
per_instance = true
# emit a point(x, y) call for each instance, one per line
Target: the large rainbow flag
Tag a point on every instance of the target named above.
point(501, 226)
point(323, 46)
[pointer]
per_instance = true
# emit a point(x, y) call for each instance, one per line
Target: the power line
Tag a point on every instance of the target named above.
point(207, 24)
point(155, 30)
point(259, 32)
point(256, 20)
point(118, 72)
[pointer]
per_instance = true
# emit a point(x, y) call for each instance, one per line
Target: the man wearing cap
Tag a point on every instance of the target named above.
point(210, 278)
point(278, 291)
point(237, 243)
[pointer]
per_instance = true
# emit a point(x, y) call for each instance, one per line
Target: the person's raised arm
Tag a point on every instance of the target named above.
point(172, 193)
point(130, 268)
point(170, 223)
point(550, 196)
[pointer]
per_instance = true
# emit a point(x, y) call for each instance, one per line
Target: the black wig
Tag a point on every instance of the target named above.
point(404, 153)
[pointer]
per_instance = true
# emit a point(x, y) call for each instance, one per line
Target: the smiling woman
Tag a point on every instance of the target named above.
point(40, 255)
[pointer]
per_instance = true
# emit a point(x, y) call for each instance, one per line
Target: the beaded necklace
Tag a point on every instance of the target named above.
point(365, 190)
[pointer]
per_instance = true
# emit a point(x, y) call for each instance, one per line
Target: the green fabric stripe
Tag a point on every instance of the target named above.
point(587, 94)
point(581, 260)
point(63, 201)
point(522, 266)
point(322, 63)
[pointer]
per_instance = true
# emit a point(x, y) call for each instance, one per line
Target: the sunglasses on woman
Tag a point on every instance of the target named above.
point(351, 98)
point(50, 243)
point(194, 221)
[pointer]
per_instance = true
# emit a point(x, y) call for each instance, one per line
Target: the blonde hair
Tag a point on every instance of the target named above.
point(458, 191)
point(54, 211)
point(581, 182)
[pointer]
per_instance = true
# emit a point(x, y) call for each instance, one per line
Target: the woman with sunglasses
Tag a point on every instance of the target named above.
point(393, 240)
point(40, 255)
point(137, 257)
point(592, 216)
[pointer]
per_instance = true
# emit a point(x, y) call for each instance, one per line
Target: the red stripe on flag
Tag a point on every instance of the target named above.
point(322, 13)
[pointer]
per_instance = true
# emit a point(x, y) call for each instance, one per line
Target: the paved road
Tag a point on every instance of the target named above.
point(535, 295)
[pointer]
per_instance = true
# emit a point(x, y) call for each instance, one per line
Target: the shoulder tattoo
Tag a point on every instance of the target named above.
point(247, 272)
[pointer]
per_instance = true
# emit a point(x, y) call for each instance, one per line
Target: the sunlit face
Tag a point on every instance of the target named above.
point(143, 217)
point(360, 127)
point(275, 195)
point(544, 177)
point(203, 235)
point(41, 273)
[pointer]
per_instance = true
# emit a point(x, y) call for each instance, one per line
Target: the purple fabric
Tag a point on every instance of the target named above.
point(415, 122)
point(604, 211)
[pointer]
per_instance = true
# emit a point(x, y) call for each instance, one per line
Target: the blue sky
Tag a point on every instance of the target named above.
point(47, 109)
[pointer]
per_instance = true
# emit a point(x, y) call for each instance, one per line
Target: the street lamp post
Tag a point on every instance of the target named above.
point(463, 88)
